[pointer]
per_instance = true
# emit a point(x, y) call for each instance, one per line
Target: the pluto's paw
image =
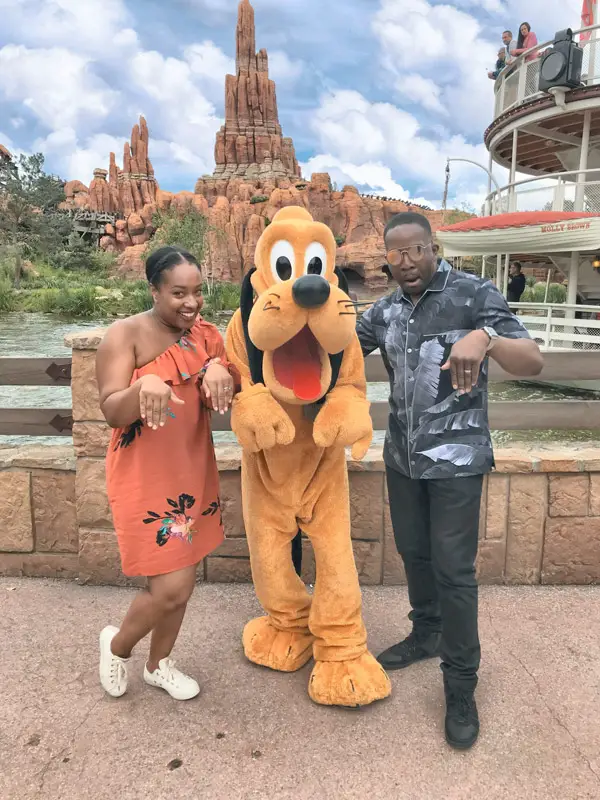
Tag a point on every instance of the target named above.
point(349, 683)
point(284, 651)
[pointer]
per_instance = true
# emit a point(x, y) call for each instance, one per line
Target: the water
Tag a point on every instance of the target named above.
point(41, 335)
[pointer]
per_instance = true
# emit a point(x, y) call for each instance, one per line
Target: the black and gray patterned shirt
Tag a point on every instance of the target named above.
point(433, 432)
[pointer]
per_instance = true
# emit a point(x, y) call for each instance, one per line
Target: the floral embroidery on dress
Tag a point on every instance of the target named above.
point(174, 523)
point(129, 434)
point(212, 510)
point(186, 344)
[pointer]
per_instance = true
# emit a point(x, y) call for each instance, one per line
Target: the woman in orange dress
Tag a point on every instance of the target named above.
point(159, 374)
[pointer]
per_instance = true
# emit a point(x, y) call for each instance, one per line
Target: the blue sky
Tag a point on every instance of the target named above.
point(376, 92)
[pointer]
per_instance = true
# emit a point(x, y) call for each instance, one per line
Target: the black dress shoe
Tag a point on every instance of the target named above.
point(416, 647)
point(462, 719)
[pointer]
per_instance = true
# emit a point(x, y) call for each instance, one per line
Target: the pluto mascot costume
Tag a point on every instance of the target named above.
point(303, 400)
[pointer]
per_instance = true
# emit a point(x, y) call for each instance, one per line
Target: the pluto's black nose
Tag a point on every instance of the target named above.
point(311, 291)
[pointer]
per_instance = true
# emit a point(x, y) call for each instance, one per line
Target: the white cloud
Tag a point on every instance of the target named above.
point(6, 141)
point(282, 69)
point(493, 6)
point(57, 85)
point(209, 62)
point(76, 160)
point(184, 117)
point(372, 177)
point(89, 27)
point(355, 130)
point(422, 91)
point(445, 47)
point(17, 122)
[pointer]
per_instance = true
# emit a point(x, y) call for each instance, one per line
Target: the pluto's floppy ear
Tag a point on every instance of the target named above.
point(342, 280)
point(255, 356)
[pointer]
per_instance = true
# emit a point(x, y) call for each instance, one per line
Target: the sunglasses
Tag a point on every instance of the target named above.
point(416, 253)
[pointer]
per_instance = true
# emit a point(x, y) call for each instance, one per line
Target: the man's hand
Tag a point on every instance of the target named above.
point(465, 360)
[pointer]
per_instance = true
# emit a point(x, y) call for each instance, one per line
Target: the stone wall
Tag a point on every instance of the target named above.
point(540, 517)
point(38, 532)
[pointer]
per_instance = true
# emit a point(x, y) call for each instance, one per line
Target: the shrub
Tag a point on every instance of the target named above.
point(79, 256)
point(340, 240)
point(557, 293)
point(80, 302)
point(220, 297)
point(8, 297)
point(185, 226)
point(258, 198)
point(137, 301)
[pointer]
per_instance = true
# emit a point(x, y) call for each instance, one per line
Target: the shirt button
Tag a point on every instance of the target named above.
point(409, 350)
point(410, 321)
point(413, 464)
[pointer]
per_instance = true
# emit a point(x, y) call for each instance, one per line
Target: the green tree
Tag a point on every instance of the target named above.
point(29, 223)
point(184, 226)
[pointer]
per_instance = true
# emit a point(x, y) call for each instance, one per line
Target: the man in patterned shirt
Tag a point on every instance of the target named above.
point(435, 333)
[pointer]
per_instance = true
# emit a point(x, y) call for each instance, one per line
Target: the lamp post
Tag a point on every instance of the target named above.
point(466, 161)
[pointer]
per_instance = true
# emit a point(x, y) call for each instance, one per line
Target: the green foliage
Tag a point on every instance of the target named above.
point(7, 296)
point(29, 199)
point(79, 256)
point(186, 227)
point(267, 222)
point(557, 293)
point(220, 297)
point(340, 240)
point(258, 198)
point(300, 186)
point(94, 295)
point(530, 280)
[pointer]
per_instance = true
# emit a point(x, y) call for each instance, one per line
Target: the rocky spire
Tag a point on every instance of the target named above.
point(250, 144)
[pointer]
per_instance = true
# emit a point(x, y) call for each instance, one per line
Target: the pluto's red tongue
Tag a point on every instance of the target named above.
point(297, 365)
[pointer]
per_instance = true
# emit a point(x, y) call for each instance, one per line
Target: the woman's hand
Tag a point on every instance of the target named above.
point(155, 396)
point(217, 385)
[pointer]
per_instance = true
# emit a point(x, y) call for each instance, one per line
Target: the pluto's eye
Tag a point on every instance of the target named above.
point(282, 260)
point(315, 259)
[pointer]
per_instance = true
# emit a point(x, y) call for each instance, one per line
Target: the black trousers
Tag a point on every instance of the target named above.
point(436, 528)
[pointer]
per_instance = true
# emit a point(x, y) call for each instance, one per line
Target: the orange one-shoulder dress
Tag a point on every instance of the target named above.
point(163, 485)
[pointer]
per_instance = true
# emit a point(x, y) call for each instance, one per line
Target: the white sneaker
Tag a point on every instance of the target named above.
point(178, 685)
point(113, 670)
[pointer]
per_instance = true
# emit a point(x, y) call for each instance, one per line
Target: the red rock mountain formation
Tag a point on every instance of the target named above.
point(250, 143)
point(256, 174)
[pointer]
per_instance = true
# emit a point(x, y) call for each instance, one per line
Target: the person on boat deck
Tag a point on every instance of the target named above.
point(516, 284)
point(435, 333)
point(500, 64)
point(526, 40)
point(160, 374)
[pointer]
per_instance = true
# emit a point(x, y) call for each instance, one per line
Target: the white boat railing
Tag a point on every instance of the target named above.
point(561, 326)
point(575, 190)
point(518, 82)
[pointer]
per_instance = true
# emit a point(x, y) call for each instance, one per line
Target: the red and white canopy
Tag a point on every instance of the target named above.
point(524, 232)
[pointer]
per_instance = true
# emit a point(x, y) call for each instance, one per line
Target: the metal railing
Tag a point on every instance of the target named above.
point(518, 82)
point(561, 326)
point(575, 190)
point(504, 415)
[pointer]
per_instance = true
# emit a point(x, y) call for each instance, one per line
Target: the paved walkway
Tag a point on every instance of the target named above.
point(255, 734)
